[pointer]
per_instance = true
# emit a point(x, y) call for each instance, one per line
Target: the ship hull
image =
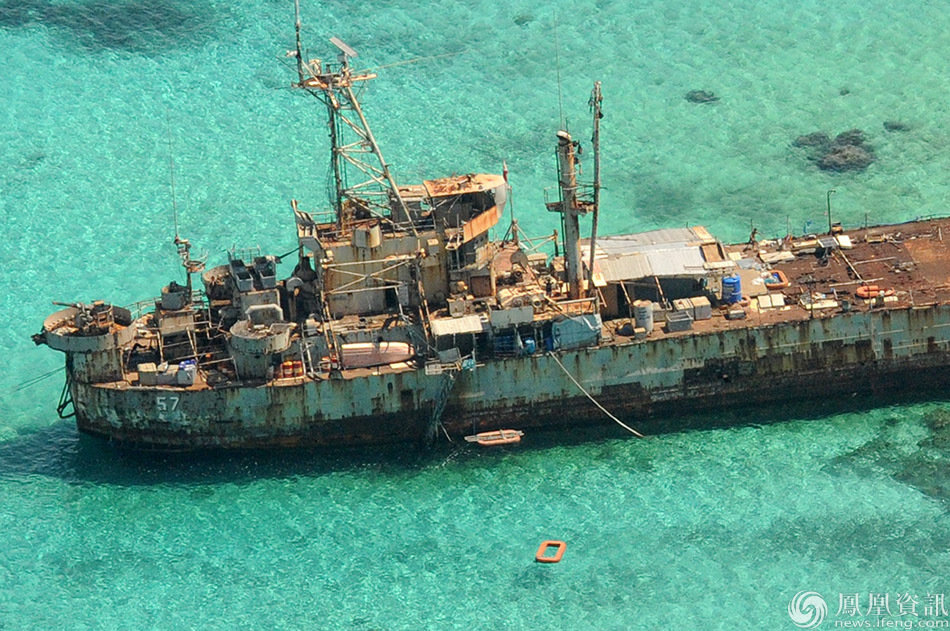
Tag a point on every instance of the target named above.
point(649, 384)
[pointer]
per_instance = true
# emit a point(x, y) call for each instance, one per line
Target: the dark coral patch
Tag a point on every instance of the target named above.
point(848, 151)
point(846, 158)
point(701, 96)
point(814, 139)
point(896, 126)
point(143, 26)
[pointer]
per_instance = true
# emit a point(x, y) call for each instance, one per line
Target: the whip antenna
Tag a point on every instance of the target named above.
point(557, 67)
point(171, 169)
point(297, 28)
point(191, 265)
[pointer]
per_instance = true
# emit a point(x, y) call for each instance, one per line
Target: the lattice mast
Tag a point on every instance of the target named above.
point(353, 148)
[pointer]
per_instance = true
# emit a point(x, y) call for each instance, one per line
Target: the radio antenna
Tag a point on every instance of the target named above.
point(557, 67)
point(191, 265)
point(171, 169)
point(299, 52)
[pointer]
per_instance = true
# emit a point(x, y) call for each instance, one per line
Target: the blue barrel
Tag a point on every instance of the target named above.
point(530, 346)
point(731, 289)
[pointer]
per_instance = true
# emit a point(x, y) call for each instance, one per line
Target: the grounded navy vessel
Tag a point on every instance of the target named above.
point(403, 321)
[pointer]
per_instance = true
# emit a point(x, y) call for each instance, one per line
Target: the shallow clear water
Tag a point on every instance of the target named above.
point(715, 528)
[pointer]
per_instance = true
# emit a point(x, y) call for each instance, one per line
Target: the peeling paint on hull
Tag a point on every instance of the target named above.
point(648, 383)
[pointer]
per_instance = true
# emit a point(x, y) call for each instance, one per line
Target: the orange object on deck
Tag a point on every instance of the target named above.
point(776, 280)
point(872, 291)
point(561, 547)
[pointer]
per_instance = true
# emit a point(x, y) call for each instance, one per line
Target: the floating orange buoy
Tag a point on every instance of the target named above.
point(560, 545)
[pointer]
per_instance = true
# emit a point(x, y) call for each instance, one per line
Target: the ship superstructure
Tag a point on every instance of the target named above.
point(403, 320)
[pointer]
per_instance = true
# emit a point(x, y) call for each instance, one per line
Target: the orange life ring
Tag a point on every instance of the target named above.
point(872, 291)
point(560, 545)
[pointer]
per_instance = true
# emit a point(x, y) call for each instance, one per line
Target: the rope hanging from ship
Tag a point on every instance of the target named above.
point(593, 400)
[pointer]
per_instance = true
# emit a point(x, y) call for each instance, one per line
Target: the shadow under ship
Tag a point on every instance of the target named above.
point(403, 321)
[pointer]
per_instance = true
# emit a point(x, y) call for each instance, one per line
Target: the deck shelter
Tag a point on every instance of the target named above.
point(659, 265)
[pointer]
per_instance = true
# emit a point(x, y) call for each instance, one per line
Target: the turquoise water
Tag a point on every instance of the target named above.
point(711, 529)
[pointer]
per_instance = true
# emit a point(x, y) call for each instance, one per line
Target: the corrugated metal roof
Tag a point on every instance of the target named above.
point(620, 258)
point(651, 240)
point(683, 261)
point(617, 268)
point(457, 326)
point(666, 252)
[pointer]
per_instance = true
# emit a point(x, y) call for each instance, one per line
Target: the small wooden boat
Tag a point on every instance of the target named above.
point(496, 437)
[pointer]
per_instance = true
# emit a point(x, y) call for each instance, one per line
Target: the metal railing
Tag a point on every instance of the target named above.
point(149, 305)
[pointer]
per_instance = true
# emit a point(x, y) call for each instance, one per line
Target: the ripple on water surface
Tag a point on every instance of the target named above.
point(715, 528)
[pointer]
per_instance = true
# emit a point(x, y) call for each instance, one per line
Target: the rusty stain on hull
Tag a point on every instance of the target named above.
point(658, 379)
point(495, 335)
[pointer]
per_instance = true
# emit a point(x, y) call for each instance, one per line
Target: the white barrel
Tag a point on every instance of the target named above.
point(643, 315)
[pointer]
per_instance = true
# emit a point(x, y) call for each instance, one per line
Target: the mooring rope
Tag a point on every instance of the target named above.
point(35, 380)
point(593, 400)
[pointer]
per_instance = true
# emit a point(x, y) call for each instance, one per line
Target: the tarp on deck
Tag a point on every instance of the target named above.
point(576, 331)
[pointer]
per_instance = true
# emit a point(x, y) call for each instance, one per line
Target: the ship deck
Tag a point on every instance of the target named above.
point(912, 260)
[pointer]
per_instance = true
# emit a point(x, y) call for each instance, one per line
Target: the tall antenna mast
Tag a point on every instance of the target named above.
point(191, 265)
point(299, 51)
point(595, 100)
point(376, 193)
point(171, 169)
point(557, 68)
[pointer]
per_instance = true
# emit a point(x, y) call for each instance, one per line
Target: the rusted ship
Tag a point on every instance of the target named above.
point(404, 321)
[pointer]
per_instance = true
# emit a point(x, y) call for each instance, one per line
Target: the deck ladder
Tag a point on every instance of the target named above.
point(441, 400)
